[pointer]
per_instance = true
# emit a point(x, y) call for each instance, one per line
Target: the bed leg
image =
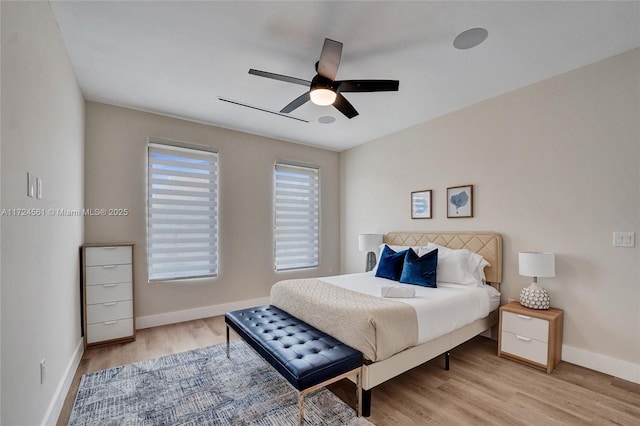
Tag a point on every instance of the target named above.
point(366, 402)
point(447, 355)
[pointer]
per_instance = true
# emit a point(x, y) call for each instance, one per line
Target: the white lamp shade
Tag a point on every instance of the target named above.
point(369, 242)
point(537, 264)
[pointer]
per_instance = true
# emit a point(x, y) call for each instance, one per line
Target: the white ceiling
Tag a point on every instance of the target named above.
point(177, 58)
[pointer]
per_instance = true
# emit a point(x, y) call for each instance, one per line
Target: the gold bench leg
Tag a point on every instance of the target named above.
point(358, 374)
point(301, 408)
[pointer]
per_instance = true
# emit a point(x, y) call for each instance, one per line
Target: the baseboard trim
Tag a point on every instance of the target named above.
point(605, 364)
point(196, 313)
point(53, 412)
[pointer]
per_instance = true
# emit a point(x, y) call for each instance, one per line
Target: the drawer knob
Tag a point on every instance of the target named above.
point(524, 339)
point(109, 266)
point(109, 248)
point(109, 285)
point(110, 304)
point(523, 316)
point(110, 322)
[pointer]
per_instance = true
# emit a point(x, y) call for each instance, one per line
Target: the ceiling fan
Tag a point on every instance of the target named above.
point(324, 89)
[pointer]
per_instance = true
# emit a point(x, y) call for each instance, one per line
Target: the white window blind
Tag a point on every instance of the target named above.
point(297, 216)
point(182, 228)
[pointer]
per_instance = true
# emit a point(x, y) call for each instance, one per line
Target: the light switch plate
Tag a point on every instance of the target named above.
point(624, 239)
point(31, 185)
point(38, 188)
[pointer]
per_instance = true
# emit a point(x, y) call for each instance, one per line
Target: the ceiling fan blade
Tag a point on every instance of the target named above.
point(344, 106)
point(297, 102)
point(368, 85)
point(330, 59)
point(280, 77)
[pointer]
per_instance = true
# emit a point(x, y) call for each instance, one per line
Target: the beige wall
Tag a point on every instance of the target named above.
point(115, 173)
point(43, 133)
point(554, 167)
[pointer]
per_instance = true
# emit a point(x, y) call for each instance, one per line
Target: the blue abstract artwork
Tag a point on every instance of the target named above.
point(460, 201)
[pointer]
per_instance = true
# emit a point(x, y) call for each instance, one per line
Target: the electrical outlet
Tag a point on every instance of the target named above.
point(43, 370)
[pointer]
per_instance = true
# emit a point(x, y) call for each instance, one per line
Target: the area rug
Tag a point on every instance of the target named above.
point(202, 387)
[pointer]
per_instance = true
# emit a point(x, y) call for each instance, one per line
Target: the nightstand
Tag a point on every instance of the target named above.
point(531, 336)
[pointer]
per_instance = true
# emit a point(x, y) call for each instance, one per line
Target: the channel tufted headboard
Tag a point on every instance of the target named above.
point(486, 244)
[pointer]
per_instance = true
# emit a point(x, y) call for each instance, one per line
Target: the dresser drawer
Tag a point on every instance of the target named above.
point(525, 347)
point(107, 274)
point(108, 255)
point(109, 330)
point(109, 311)
point(523, 325)
point(109, 293)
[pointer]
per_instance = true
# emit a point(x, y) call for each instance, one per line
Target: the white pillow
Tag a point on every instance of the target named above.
point(458, 266)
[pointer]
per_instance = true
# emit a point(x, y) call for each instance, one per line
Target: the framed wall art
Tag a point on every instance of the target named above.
point(460, 201)
point(421, 204)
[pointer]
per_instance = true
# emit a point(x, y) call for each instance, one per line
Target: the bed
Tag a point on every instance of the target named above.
point(372, 327)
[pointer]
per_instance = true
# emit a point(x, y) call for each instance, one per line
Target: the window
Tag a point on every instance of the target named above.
point(182, 224)
point(297, 216)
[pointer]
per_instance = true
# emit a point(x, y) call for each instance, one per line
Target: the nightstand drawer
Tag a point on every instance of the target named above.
point(525, 347)
point(526, 326)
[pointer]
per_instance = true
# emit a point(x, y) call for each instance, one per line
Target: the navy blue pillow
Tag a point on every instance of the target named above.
point(420, 270)
point(390, 265)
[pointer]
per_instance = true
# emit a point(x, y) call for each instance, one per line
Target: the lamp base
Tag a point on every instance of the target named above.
point(535, 297)
point(371, 261)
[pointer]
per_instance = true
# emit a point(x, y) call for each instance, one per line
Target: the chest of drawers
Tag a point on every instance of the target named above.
point(108, 294)
point(531, 336)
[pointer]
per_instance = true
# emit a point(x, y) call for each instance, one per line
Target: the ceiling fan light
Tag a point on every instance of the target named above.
point(322, 96)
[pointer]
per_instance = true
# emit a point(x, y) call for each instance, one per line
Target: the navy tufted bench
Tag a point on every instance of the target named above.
point(308, 358)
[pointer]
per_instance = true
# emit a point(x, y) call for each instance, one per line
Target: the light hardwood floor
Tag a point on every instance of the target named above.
point(480, 388)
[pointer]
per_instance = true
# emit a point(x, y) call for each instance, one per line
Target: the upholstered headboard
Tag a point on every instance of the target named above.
point(486, 244)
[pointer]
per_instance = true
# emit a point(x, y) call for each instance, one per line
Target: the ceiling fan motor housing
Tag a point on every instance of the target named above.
point(320, 82)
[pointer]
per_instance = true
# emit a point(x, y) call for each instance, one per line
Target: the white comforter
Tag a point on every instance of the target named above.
point(439, 311)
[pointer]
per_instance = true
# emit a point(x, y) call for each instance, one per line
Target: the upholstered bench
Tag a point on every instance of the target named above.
point(308, 358)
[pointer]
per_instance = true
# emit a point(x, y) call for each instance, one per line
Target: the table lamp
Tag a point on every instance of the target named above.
point(536, 264)
point(369, 243)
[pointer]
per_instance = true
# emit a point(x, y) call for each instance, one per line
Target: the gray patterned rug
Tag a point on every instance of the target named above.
point(202, 387)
